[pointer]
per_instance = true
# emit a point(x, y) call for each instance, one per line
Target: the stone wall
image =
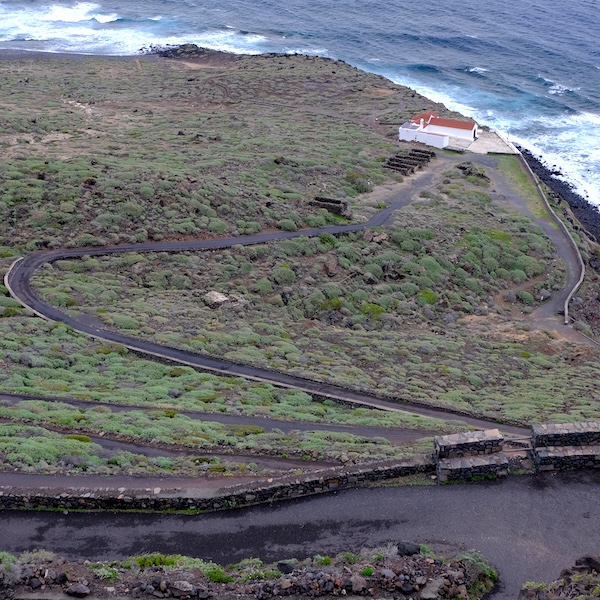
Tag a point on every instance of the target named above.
point(466, 456)
point(566, 434)
point(567, 458)
point(473, 467)
point(472, 443)
point(290, 487)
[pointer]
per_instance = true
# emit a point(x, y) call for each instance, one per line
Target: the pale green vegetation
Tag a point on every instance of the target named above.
point(48, 359)
point(425, 314)
point(105, 150)
point(36, 447)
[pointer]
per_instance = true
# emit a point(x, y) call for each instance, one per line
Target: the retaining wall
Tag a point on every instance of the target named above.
point(282, 489)
point(566, 434)
point(473, 467)
point(471, 443)
point(565, 458)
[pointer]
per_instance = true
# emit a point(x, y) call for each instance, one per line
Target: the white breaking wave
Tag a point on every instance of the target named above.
point(84, 27)
point(106, 18)
point(569, 142)
point(81, 11)
point(558, 90)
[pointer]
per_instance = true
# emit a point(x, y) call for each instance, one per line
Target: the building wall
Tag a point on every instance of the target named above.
point(414, 135)
point(407, 135)
point(437, 141)
point(452, 132)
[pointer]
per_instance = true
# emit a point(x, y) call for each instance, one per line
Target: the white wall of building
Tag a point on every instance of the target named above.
point(465, 134)
point(407, 135)
point(432, 139)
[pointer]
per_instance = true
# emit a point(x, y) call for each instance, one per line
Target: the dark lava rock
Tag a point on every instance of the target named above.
point(592, 562)
point(78, 590)
point(408, 548)
point(285, 567)
point(586, 213)
point(35, 583)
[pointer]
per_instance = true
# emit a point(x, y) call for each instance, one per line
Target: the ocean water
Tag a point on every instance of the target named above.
point(530, 69)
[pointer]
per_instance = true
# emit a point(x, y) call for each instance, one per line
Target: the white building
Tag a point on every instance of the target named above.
point(430, 129)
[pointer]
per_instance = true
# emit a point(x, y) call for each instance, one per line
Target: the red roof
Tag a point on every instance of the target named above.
point(452, 123)
point(429, 114)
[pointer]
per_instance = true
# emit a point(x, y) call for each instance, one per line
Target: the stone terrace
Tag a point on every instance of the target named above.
point(566, 434)
point(567, 458)
point(471, 455)
point(471, 443)
point(566, 445)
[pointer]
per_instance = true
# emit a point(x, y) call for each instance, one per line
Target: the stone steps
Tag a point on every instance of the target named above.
point(470, 443)
point(566, 434)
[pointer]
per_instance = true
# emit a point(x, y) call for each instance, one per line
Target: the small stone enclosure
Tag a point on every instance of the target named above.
point(482, 454)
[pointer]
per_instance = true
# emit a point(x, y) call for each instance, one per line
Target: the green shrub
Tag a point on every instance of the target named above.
point(426, 297)
point(9, 302)
point(288, 225)
point(7, 561)
point(367, 572)
point(125, 322)
point(80, 438)
point(525, 297)
point(155, 560)
point(373, 311)
point(409, 288)
point(348, 557)
point(105, 572)
point(518, 276)
point(359, 296)
point(217, 574)
point(284, 275)
point(375, 270)
point(263, 286)
point(328, 240)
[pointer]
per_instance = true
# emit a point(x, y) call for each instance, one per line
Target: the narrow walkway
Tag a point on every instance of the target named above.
point(395, 435)
point(547, 316)
point(18, 282)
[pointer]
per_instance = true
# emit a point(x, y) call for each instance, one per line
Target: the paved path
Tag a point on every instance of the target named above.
point(529, 527)
point(18, 281)
point(545, 315)
point(508, 521)
point(395, 435)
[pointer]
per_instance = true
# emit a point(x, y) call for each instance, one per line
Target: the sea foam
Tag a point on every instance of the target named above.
point(494, 66)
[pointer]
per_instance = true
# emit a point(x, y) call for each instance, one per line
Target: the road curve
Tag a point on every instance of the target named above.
point(17, 280)
point(528, 527)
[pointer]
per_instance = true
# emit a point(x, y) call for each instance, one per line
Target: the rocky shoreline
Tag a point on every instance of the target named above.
point(587, 214)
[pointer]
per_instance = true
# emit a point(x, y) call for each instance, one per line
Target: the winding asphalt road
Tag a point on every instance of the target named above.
point(19, 276)
point(528, 527)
